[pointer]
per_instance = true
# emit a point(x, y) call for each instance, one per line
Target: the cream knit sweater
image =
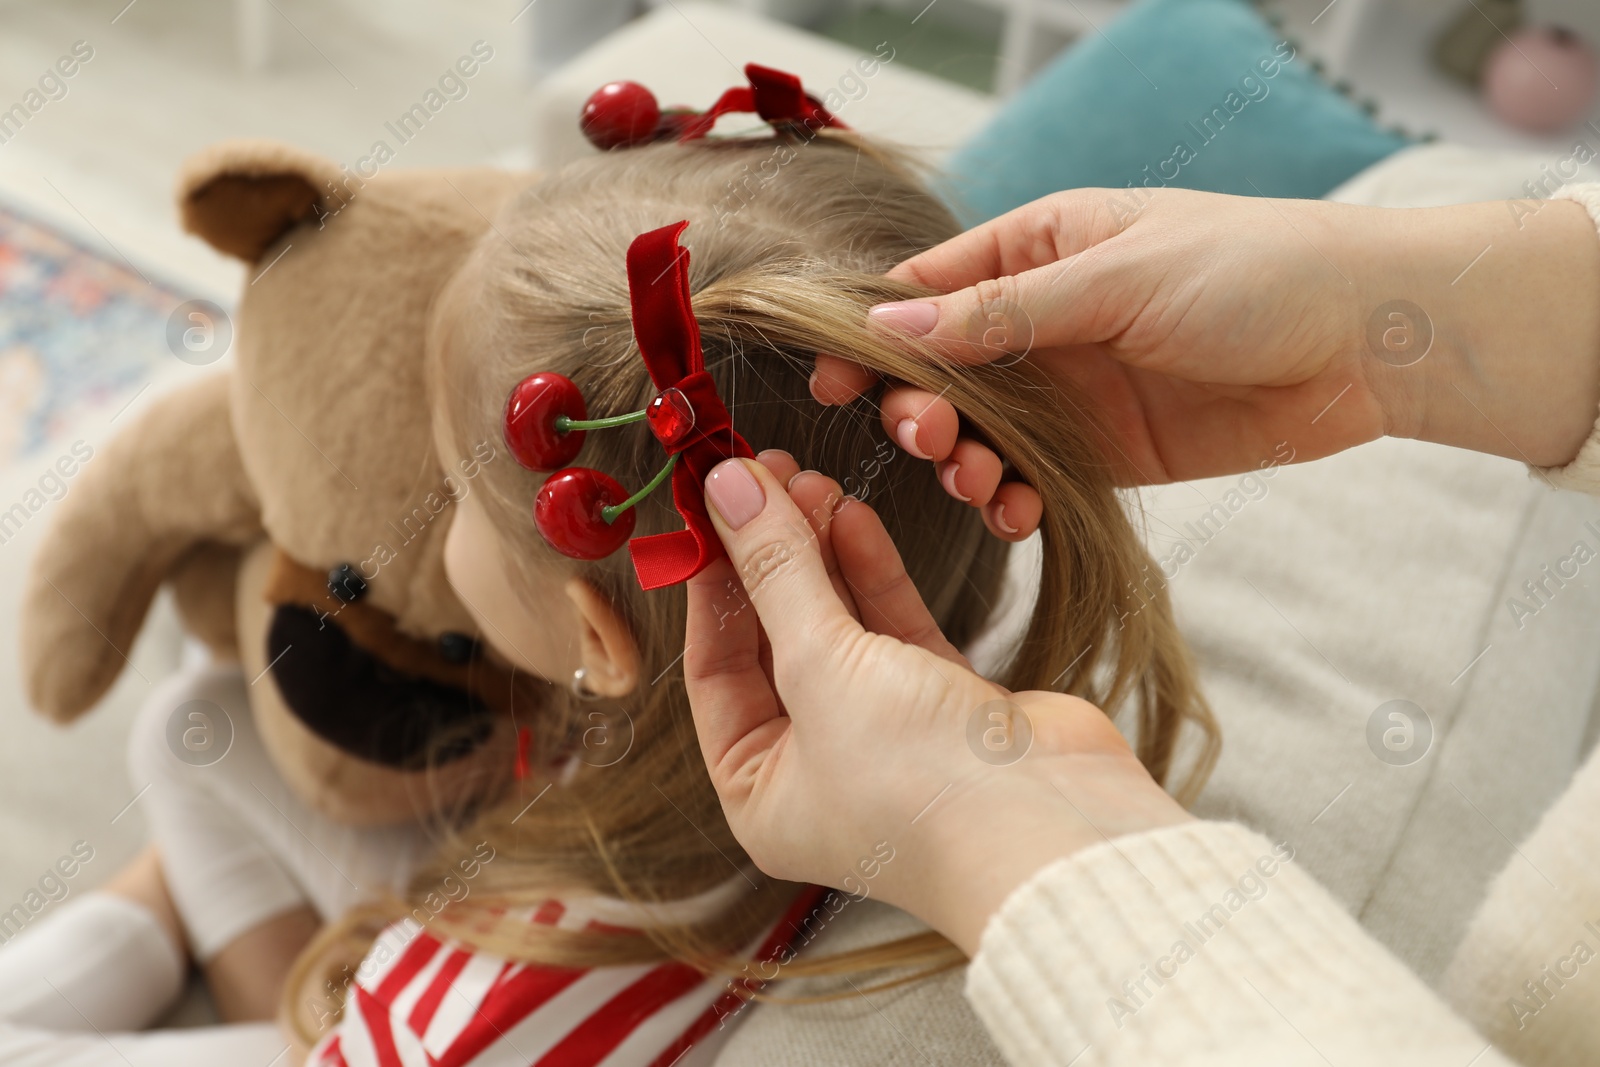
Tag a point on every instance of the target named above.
point(1274, 971)
point(1082, 964)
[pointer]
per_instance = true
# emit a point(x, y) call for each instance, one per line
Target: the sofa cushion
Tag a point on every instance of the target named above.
point(1197, 94)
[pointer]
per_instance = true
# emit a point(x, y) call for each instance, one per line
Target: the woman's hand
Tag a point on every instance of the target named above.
point(1205, 329)
point(853, 746)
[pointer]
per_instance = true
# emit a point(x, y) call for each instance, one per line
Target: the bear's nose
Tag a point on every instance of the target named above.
point(456, 647)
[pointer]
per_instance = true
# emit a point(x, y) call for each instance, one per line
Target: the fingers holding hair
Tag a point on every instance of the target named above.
point(921, 422)
point(839, 381)
point(1015, 511)
point(775, 552)
point(819, 499)
point(927, 426)
point(727, 669)
point(977, 270)
point(1034, 235)
point(886, 599)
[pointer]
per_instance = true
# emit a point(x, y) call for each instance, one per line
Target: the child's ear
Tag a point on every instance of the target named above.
point(241, 196)
point(609, 652)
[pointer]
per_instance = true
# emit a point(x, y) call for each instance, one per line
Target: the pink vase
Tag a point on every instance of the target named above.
point(1540, 80)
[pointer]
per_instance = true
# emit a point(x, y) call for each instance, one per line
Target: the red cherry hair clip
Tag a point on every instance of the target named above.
point(588, 515)
point(624, 114)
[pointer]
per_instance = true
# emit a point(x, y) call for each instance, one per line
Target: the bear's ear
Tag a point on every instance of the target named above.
point(241, 196)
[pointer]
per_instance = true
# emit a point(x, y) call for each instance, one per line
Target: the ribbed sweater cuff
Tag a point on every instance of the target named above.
point(1199, 944)
point(1583, 473)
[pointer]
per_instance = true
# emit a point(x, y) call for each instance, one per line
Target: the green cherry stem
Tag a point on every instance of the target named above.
point(610, 512)
point(563, 424)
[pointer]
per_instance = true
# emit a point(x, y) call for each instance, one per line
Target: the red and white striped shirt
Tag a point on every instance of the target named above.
point(435, 1003)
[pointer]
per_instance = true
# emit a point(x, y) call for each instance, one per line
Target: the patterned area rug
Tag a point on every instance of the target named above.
point(79, 332)
point(82, 332)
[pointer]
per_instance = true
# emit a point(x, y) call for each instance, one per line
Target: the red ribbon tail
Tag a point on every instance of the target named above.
point(667, 559)
point(739, 98)
point(524, 745)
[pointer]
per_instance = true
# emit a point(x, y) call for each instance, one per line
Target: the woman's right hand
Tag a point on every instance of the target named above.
point(1204, 330)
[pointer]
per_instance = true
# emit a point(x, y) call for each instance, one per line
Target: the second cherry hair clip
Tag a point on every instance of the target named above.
point(624, 114)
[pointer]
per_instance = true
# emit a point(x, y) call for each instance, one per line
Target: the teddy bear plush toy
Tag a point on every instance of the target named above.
point(294, 502)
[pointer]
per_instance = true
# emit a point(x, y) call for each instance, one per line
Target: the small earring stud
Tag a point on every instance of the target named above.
point(580, 688)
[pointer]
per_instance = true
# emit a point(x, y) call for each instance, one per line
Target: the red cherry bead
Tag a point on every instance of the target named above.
point(568, 513)
point(671, 416)
point(530, 423)
point(620, 114)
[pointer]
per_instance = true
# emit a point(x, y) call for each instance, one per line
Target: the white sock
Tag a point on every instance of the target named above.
point(243, 1045)
point(98, 962)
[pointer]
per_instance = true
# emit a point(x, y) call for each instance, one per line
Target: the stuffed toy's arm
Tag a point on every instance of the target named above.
point(169, 485)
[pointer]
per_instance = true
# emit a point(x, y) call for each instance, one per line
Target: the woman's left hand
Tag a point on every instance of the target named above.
point(838, 722)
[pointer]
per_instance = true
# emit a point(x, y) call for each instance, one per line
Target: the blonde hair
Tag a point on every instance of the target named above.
point(789, 243)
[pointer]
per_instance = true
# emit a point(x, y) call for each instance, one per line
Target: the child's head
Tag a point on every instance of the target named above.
point(780, 266)
point(788, 246)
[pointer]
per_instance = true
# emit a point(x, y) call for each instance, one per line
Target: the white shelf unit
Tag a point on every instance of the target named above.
point(1025, 19)
point(1032, 30)
point(1337, 28)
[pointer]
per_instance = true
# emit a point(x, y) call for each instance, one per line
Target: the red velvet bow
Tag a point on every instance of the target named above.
point(773, 94)
point(687, 415)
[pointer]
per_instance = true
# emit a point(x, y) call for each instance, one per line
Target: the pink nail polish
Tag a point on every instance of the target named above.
point(1000, 520)
point(905, 431)
point(911, 317)
point(947, 478)
point(735, 494)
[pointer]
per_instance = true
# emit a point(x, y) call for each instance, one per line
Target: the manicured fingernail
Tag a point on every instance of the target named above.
point(947, 477)
point(913, 317)
point(999, 519)
point(905, 431)
point(797, 475)
point(734, 493)
point(816, 389)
